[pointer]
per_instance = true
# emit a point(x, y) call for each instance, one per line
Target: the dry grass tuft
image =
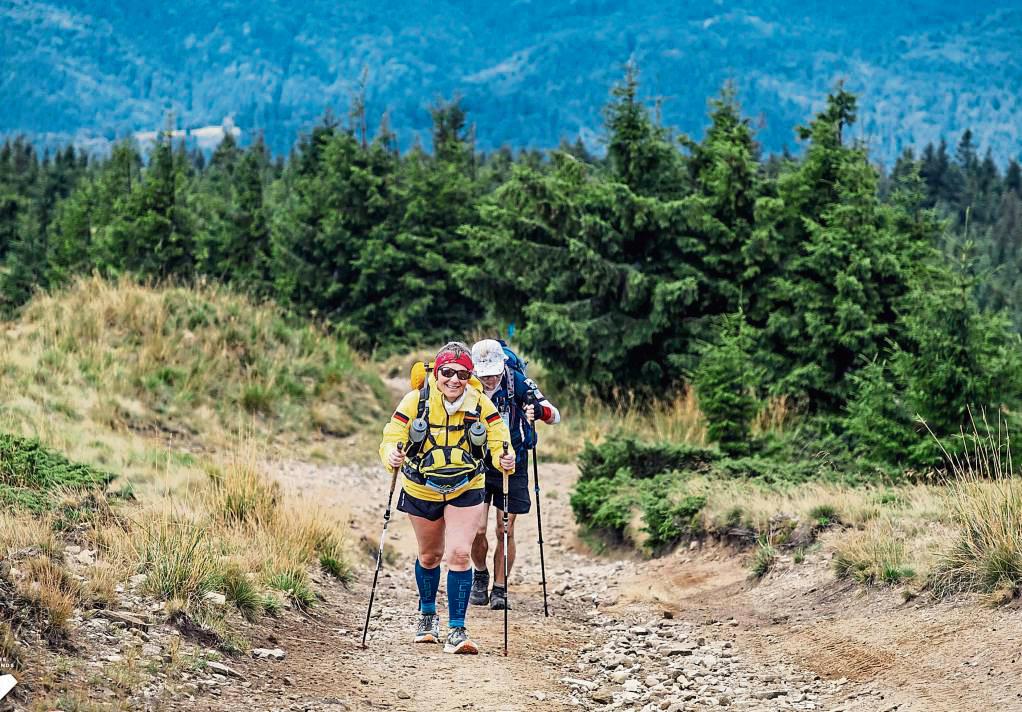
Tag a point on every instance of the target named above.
point(50, 590)
point(177, 557)
point(100, 587)
point(591, 419)
point(875, 555)
point(774, 417)
point(20, 530)
point(985, 501)
point(239, 493)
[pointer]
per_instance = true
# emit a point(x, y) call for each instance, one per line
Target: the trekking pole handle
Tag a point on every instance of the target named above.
point(393, 480)
point(506, 472)
point(401, 449)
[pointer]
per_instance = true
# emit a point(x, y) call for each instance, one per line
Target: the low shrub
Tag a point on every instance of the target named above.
point(31, 474)
point(669, 516)
point(606, 505)
point(642, 459)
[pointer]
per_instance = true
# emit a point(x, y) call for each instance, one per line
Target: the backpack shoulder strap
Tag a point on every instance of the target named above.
point(423, 407)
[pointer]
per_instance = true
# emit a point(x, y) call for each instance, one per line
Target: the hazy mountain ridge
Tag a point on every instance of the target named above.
point(530, 73)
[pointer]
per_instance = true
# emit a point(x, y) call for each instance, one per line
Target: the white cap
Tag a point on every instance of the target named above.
point(488, 357)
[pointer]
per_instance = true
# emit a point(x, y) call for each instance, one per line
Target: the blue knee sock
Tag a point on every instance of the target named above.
point(428, 581)
point(459, 585)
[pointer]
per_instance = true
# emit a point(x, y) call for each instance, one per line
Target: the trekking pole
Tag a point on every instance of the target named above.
point(539, 523)
point(506, 586)
point(379, 555)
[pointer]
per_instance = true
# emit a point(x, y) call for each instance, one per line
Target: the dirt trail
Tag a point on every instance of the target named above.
point(326, 668)
point(621, 630)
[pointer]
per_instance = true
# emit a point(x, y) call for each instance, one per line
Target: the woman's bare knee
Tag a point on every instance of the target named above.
point(459, 557)
point(430, 559)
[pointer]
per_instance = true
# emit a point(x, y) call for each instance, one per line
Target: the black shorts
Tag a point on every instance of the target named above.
point(519, 501)
point(435, 510)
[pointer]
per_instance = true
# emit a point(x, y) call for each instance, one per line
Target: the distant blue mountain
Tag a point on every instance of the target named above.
point(530, 73)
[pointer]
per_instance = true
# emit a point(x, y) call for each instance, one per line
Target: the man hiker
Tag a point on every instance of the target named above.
point(520, 403)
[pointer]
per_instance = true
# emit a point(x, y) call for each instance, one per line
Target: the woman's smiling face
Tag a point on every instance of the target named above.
point(450, 384)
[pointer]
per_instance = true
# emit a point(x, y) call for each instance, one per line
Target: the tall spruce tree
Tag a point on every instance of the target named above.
point(233, 244)
point(151, 231)
point(639, 152)
point(327, 204)
point(731, 250)
point(846, 268)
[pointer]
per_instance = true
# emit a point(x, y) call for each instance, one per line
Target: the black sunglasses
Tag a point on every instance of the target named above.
point(447, 372)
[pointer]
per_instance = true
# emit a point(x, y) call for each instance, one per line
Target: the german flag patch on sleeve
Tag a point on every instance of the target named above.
point(492, 418)
point(400, 417)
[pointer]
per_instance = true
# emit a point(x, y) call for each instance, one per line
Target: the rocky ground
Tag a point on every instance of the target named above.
point(599, 649)
point(688, 631)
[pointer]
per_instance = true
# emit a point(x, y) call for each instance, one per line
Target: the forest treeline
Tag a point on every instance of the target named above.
point(864, 297)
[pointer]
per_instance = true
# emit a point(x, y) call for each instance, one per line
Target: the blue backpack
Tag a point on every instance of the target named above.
point(518, 365)
point(513, 360)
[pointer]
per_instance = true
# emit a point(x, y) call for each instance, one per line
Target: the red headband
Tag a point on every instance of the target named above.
point(447, 357)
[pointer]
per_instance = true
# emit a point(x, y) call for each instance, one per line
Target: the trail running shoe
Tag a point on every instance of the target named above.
point(459, 643)
point(429, 628)
point(498, 599)
point(480, 588)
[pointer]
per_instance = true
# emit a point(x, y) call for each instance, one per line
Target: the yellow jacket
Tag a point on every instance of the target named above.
point(396, 431)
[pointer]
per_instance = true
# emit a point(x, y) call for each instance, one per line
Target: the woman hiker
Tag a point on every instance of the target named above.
point(442, 484)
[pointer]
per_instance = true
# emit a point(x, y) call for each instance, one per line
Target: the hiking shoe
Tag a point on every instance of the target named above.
point(498, 599)
point(459, 643)
point(429, 628)
point(480, 595)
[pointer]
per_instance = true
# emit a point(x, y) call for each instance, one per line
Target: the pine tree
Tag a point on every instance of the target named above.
point(954, 357)
point(877, 420)
point(152, 230)
point(721, 211)
point(726, 381)
point(233, 244)
point(846, 268)
point(77, 239)
point(24, 269)
point(639, 153)
point(325, 207)
point(1013, 177)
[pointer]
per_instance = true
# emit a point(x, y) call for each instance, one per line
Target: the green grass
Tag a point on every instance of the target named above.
point(178, 559)
point(764, 558)
point(241, 593)
point(336, 566)
point(294, 583)
point(874, 556)
point(824, 515)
